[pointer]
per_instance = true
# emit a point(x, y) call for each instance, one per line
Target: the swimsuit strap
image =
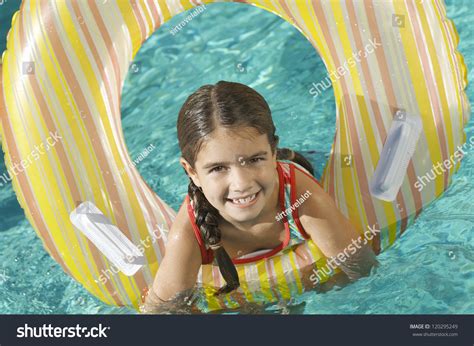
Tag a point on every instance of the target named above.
point(292, 202)
point(206, 253)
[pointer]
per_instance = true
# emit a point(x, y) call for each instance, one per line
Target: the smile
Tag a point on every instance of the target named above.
point(244, 202)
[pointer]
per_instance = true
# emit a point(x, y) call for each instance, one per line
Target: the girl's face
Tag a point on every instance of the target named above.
point(237, 173)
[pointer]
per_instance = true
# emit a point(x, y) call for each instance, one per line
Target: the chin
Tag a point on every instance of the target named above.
point(242, 219)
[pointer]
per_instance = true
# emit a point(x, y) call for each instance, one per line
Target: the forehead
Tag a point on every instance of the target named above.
point(223, 144)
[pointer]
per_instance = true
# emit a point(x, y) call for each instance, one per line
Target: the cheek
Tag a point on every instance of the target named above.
point(215, 190)
point(267, 180)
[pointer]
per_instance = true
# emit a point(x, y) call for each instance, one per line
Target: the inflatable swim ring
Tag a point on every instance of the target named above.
point(61, 79)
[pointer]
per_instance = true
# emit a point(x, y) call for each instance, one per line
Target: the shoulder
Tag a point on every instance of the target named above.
point(182, 237)
point(320, 217)
point(305, 184)
point(317, 205)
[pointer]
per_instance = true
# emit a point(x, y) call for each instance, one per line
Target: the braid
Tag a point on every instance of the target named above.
point(207, 221)
point(288, 154)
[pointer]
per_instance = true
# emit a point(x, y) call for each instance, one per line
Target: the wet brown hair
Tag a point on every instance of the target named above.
point(231, 105)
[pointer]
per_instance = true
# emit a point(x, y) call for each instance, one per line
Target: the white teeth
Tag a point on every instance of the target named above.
point(244, 200)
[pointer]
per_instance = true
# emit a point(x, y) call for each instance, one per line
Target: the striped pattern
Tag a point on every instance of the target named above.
point(279, 277)
point(81, 52)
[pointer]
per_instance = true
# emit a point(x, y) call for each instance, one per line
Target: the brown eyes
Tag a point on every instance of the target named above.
point(254, 160)
point(216, 169)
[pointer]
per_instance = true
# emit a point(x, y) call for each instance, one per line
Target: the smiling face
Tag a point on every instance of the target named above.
point(237, 173)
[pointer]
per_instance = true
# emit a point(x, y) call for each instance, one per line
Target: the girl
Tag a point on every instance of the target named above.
point(229, 152)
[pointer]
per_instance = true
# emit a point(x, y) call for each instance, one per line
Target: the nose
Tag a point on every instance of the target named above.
point(240, 180)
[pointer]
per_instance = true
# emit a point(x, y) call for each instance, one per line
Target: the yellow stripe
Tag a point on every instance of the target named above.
point(243, 282)
point(164, 10)
point(315, 251)
point(351, 199)
point(350, 187)
point(322, 263)
point(419, 84)
point(45, 192)
point(45, 50)
point(128, 284)
point(41, 190)
point(269, 6)
point(186, 4)
point(81, 143)
point(392, 232)
point(296, 273)
point(450, 31)
point(315, 34)
point(362, 111)
point(264, 280)
point(99, 102)
point(370, 130)
point(440, 91)
point(283, 286)
point(459, 72)
point(206, 274)
point(208, 283)
point(211, 299)
point(59, 87)
point(132, 25)
point(148, 20)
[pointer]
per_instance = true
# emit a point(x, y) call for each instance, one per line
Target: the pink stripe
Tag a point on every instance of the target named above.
point(294, 274)
point(386, 77)
point(430, 85)
point(456, 60)
point(155, 14)
point(389, 89)
point(367, 200)
point(108, 85)
point(452, 45)
point(64, 162)
point(77, 198)
point(271, 276)
point(140, 20)
point(114, 58)
point(371, 88)
point(365, 71)
point(288, 12)
point(51, 126)
point(80, 100)
point(304, 261)
point(24, 187)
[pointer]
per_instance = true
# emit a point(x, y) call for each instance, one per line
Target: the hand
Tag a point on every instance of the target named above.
point(359, 264)
point(181, 303)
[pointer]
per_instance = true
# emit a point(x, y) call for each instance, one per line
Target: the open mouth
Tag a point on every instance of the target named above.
point(244, 202)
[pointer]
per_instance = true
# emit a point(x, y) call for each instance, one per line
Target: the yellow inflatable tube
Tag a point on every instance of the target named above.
point(63, 143)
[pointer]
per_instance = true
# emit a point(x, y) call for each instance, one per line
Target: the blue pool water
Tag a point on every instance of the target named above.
point(429, 270)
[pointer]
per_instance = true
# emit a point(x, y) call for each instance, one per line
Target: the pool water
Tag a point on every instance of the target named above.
point(430, 269)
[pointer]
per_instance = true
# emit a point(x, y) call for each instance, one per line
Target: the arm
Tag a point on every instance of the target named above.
point(332, 232)
point(177, 273)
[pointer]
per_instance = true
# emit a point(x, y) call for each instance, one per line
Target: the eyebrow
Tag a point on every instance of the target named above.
point(213, 164)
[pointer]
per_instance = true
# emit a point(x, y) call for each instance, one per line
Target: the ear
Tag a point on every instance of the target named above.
point(274, 156)
point(274, 159)
point(190, 171)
